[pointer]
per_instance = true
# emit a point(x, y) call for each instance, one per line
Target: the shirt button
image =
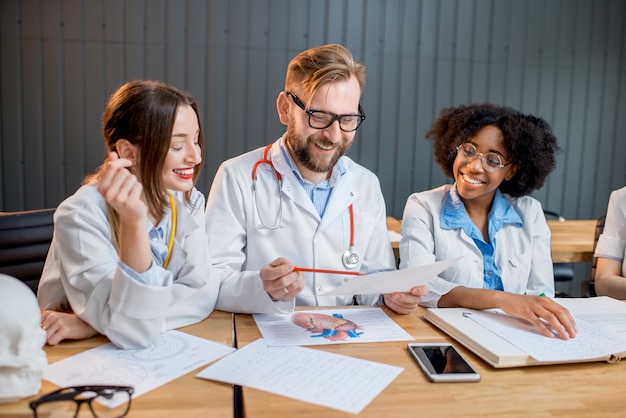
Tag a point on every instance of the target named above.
point(320, 288)
point(490, 273)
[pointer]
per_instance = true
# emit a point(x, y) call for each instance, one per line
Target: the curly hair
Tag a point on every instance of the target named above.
point(528, 141)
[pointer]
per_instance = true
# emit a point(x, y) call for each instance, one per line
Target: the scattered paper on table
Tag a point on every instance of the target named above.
point(391, 281)
point(175, 354)
point(306, 374)
point(330, 326)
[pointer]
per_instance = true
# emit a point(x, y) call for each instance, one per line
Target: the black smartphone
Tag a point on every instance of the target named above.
point(442, 362)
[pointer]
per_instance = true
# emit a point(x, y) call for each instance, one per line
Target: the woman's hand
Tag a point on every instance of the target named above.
point(122, 190)
point(61, 326)
point(541, 311)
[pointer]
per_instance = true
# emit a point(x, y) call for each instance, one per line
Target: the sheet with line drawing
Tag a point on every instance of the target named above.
point(175, 354)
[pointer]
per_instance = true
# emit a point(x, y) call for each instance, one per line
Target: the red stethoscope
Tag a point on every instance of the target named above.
point(350, 258)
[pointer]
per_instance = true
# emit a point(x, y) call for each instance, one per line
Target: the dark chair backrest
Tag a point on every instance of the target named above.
point(587, 287)
point(25, 238)
point(563, 272)
point(592, 276)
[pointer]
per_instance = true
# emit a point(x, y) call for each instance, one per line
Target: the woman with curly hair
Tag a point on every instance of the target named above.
point(497, 157)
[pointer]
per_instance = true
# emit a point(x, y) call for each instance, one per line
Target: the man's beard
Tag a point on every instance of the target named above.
point(300, 149)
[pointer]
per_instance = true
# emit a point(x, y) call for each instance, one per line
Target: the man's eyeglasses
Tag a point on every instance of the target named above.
point(320, 119)
point(491, 161)
point(103, 401)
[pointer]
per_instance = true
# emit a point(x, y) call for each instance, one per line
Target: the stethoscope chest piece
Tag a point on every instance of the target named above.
point(350, 259)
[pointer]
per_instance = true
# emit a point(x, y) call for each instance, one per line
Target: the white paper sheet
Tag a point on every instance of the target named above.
point(336, 326)
point(321, 378)
point(602, 311)
point(391, 281)
point(175, 354)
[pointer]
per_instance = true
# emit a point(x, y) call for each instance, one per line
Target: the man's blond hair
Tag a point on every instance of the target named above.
point(312, 68)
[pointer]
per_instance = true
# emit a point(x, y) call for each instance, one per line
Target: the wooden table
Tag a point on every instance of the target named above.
point(186, 396)
point(572, 390)
point(571, 240)
point(395, 225)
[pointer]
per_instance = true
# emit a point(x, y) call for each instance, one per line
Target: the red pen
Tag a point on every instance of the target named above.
point(310, 270)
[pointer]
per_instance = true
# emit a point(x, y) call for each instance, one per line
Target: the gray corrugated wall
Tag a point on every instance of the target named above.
point(564, 60)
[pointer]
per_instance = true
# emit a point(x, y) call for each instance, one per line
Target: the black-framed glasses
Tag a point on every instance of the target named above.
point(491, 161)
point(319, 119)
point(103, 401)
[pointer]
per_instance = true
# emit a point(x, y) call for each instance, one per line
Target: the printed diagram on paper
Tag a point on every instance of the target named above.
point(175, 354)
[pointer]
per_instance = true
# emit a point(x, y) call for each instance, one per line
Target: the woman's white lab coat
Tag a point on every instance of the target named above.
point(83, 267)
point(240, 247)
point(612, 242)
point(522, 254)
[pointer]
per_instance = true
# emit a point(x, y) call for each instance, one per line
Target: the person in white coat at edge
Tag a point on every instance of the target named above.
point(611, 249)
point(129, 257)
point(497, 156)
point(300, 202)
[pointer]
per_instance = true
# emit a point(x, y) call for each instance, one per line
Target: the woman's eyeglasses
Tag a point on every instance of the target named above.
point(491, 161)
point(102, 401)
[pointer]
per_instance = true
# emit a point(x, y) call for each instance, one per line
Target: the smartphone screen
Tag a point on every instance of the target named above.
point(443, 363)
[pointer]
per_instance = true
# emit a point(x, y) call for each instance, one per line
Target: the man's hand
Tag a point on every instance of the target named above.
point(405, 302)
point(280, 281)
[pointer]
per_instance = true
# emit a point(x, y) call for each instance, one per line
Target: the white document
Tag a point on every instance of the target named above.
point(321, 378)
point(391, 281)
point(330, 326)
point(602, 311)
point(175, 354)
point(591, 341)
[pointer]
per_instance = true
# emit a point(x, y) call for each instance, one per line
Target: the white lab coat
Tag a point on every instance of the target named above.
point(522, 254)
point(612, 241)
point(240, 248)
point(83, 267)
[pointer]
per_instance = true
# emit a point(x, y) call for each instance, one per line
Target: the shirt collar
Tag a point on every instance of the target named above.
point(166, 221)
point(454, 215)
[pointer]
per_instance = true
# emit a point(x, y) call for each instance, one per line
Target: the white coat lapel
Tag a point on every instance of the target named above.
point(343, 195)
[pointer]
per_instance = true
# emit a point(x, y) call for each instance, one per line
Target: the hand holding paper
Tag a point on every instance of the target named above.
point(392, 281)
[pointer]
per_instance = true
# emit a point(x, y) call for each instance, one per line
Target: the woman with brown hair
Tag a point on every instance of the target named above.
point(129, 256)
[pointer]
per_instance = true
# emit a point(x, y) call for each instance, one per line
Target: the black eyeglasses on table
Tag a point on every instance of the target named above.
point(103, 401)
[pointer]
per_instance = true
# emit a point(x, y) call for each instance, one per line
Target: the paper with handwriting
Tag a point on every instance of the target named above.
point(305, 374)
